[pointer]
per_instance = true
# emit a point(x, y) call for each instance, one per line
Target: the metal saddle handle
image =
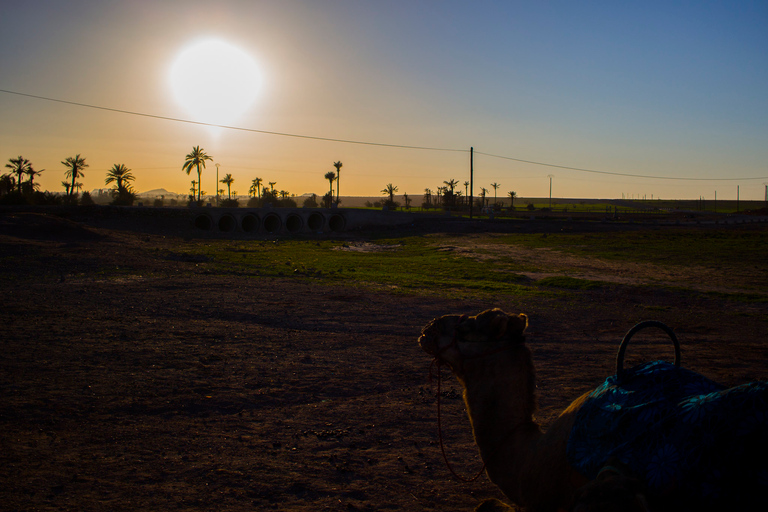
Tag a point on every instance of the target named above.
point(635, 330)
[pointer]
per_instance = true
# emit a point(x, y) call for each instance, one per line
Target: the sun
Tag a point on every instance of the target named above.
point(216, 82)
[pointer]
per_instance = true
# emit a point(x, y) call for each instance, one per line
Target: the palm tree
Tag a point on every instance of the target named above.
point(512, 196)
point(466, 188)
point(483, 192)
point(228, 180)
point(330, 176)
point(66, 186)
point(75, 168)
point(272, 185)
point(337, 165)
point(121, 176)
point(193, 160)
point(451, 184)
point(428, 197)
point(390, 189)
point(256, 184)
point(32, 173)
point(495, 187)
point(19, 166)
point(193, 189)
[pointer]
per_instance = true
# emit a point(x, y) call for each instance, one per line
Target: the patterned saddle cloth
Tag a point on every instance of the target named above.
point(687, 437)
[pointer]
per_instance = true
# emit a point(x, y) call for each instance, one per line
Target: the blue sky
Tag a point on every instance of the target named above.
point(664, 89)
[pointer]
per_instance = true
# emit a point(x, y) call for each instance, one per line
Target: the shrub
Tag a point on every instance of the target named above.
point(86, 199)
point(122, 198)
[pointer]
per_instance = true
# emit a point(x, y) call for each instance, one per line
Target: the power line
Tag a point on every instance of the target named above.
point(238, 128)
point(616, 173)
point(364, 143)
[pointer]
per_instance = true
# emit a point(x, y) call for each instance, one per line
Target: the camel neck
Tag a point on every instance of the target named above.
point(500, 402)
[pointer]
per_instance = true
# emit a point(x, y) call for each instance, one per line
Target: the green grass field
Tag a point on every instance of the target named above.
point(427, 264)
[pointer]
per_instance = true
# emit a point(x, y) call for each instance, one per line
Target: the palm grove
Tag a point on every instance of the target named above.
point(18, 186)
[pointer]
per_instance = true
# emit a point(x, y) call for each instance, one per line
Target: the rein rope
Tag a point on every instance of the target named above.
point(436, 362)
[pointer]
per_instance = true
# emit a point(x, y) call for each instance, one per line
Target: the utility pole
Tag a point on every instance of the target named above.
point(550, 176)
point(216, 188)
point(766, 194)
point(471, 178)
point(737, 198)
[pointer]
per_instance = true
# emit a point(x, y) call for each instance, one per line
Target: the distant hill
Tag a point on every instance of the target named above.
point(157, 193)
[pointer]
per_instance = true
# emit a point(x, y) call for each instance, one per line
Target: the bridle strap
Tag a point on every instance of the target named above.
point(437, 363)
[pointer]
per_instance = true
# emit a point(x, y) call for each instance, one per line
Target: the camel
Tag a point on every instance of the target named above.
point(549, 471)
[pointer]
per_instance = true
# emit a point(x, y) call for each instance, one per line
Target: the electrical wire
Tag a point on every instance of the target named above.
point(365, 143)
point(627, 175)
point(238, 128)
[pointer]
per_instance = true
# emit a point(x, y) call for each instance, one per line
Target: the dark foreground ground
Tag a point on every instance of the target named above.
point(132, 382)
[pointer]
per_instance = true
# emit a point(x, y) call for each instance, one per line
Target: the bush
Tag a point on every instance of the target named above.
point(158, 202)
point(13, 199)
point(86, 199)
point(229, 203)
point(122, 198)
point(311, 201)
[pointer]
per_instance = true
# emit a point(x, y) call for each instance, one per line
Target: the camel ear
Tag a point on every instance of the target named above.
point(517, 324)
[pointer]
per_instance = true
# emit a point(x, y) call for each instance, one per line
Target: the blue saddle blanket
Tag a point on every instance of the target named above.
point(681, 433)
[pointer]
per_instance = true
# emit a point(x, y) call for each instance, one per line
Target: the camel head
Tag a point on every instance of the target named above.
point(454, 339)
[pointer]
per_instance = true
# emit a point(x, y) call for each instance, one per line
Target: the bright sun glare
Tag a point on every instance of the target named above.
point(214, 81)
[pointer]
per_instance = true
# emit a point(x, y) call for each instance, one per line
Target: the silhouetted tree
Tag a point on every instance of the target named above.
point(256, 183)
point(75, 166)
point(7, 184)
point(19, 166)
point(337, 165)
point(330, 176)
point(32, 173)
point(495, 187)
point(193, 161)
point(390, 190)
point(427, 199)
point(228, 180)
point(121, 176)
point(512, 196)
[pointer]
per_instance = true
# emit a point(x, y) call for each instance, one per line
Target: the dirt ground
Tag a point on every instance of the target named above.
point(130, 381)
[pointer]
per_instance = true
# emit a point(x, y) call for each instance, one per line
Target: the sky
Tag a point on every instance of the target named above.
point(647, 99)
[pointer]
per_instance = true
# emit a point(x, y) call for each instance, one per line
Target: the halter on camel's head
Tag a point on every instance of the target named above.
point(456, 339)
point(453, 339)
